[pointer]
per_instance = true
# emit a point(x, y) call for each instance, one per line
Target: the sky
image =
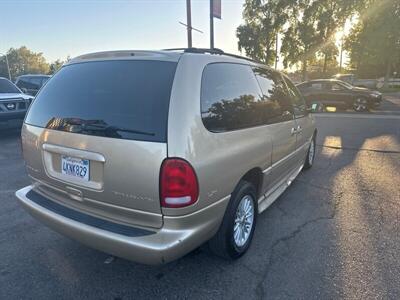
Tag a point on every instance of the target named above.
point(61, 28)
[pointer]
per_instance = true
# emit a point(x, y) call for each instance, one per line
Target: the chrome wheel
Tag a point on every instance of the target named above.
point(360, 104)
point(311, 152)
point(244, 220)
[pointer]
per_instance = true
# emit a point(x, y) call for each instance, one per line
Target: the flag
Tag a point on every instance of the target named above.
point(216, 9)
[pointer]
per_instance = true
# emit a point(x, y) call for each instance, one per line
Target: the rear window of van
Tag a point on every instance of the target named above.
point(117, 99)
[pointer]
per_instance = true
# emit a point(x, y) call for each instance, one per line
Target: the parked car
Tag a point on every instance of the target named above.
point(353, 80)
point(330, 92)
point(31, 83)
point(148, 154)
point(13, 103)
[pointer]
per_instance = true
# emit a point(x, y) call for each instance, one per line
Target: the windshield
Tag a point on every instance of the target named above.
point(117, 99)
point(7, 86)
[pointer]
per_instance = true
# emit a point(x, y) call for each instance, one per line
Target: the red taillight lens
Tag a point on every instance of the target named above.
point(178, 183)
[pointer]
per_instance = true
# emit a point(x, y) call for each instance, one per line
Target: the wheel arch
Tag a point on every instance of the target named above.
point(255, 177)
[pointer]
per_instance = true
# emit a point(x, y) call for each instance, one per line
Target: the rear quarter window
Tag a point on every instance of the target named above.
point(117, 99)
point(230, 96)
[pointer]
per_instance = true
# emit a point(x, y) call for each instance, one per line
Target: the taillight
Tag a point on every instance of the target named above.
point(178, 183)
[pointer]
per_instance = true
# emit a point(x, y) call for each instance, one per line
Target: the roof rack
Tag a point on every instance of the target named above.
point(211, 51)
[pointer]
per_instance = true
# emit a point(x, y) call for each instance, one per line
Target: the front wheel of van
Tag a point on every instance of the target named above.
point(236, 232)
point(310, 155)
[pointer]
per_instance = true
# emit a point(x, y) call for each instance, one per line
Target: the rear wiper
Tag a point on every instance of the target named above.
point(111, 130)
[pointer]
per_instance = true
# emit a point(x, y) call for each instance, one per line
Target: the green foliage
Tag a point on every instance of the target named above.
point(301, 40)
point(56, 65)
point(24, 61)
point(308, 29)
point(263, 21)
point(374, 43)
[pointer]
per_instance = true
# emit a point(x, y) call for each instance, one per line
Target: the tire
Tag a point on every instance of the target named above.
point(360, 104)
point(309, 161)
point(226, 243)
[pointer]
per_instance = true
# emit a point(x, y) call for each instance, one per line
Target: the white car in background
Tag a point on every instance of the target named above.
point(13, 102)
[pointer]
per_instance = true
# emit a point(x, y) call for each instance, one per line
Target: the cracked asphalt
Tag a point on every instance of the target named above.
point(334, 233)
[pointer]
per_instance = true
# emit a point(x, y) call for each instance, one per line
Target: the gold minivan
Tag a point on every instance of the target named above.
point(147, 155)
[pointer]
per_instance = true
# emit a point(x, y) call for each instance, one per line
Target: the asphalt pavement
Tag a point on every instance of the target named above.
point(334, 233)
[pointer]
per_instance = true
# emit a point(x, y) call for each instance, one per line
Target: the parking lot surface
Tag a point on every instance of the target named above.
point(333, 234)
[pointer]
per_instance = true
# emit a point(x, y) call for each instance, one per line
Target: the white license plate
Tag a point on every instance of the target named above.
point(75, 167)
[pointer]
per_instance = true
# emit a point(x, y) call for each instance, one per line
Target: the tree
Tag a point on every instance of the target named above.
point(331, 16)
point(308, 28)
point(374, 44)
point(301, 40)
point(263, 21)
point(57, 64)
point(23, 61)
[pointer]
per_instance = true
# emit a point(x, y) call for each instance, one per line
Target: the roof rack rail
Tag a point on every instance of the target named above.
point(211, 51)
point(197, 50)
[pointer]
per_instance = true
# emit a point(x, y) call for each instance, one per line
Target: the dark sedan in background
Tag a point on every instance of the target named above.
point(31, 83)
point(330, 92)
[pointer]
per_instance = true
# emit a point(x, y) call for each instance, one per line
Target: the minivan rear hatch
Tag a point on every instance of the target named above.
point(95, 137)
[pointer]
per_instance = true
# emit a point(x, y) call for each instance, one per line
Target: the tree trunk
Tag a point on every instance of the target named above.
point(325, 64)
point(267, 55)
point(304, 71)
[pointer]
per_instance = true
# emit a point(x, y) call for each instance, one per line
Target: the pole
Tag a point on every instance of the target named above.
point(8, 67)
point(211, 25)
point(341, 56)
point(189, 23)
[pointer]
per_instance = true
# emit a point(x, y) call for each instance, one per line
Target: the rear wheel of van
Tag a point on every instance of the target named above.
point(236, 232)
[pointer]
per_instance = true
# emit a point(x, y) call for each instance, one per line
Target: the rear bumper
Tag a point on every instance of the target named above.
point(178, 236)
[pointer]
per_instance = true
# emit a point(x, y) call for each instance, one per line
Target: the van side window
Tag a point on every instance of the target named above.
point(276, 103)
point(299, 105)
point(230, 97)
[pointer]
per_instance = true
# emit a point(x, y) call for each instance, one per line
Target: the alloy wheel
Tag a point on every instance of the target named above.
point(360, 104)
point(244, 221)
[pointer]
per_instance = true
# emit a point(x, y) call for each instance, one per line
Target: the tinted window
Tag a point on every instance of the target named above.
point(230, 97)
point(316, 86)
point(29, 83)
point(276, 103)
point(7, 86)
point(119, 99)
point(296, 98)
point(336, 87)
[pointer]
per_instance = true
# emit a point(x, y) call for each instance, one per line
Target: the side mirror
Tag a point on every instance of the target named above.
point(24, 90)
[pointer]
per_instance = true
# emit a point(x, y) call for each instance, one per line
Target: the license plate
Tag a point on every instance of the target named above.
point(75, 167)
